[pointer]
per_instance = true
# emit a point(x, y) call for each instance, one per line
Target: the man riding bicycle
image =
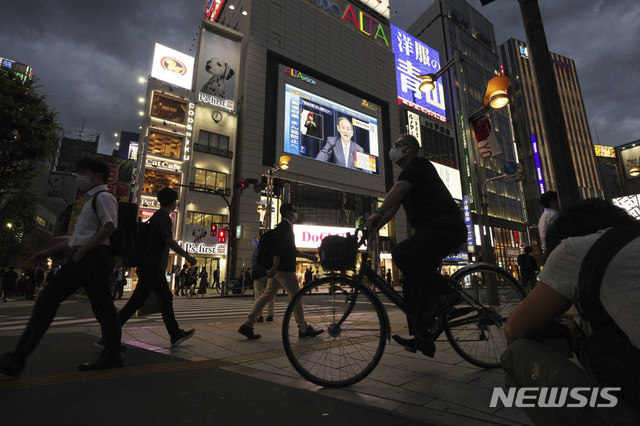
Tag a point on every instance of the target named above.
point(439, 229)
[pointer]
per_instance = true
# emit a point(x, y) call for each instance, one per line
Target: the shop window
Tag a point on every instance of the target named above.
point(213, 143)
point(203, 219)
point(210, 179)
point(165, 144)
point(168, 108)
point(155, 180)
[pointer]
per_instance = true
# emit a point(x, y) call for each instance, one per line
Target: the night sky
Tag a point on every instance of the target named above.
point(88, 55)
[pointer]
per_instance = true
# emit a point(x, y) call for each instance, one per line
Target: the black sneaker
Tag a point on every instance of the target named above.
point(427, 347)
point(184, 335)
point(247, 331)
point(309, 332)
point(100, 345)
point(269, 319)
point(105, 362)
point(260, 319)
point(10, 365)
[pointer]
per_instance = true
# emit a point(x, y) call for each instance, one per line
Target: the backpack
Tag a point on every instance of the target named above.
point(266, 249)
point(606, 353)
point(127, 242)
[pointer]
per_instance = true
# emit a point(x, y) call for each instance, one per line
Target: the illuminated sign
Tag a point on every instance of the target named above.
point(308, 236)
point(451, 179)
point(133, 151)
point(164, 164)
point(379, 6)
point(630, 159)
point(414, 58)
point(468, 223)
point(605, 151)
point(218, 249)
point(524, 51)
point(630, 203)
point(212, 9)
point(361, 21)
point(536, 159)
point(191, 113)
point(198, 240)
point(173, 67)
point(216, 102)
point(413, 125)
point(467, 160)
point(366, 104)
point(297, 74)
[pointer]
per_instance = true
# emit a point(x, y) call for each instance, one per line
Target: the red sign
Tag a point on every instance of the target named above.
point(212, 9)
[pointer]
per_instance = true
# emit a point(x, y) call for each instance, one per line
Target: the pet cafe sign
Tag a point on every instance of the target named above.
point(215, 101)
point(355, 18)
point(199, 241)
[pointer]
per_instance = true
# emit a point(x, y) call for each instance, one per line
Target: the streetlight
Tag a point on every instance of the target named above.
point(429, 80)
point(283, 164)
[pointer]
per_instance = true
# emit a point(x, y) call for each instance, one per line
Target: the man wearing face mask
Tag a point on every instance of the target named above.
point(90, 267)
point(439, 229)
point(282, 273)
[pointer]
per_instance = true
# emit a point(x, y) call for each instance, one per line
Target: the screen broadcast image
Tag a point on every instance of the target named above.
point(327, 131)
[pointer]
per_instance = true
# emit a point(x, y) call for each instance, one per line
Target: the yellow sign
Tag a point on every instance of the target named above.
point(605, 151)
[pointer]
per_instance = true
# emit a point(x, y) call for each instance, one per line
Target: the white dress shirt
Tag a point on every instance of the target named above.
point(89, 223)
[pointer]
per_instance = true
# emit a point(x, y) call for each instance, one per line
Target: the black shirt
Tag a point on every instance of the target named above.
point(160, 228)
point(429, 200)
point(285, 247)
point(528, 264)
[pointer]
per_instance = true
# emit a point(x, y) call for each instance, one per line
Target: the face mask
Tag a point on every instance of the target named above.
point(84, 182)
point(396, 154)
point(294, 217)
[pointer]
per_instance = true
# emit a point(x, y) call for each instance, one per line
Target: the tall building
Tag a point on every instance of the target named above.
point(609, 171)
point(25, 72)
point(458, 31)
point(72, 146)
point(531, 136)
point(629, 155)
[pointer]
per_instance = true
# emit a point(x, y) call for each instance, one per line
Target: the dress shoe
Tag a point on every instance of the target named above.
point(269, 319)
point(247, 331)
point(11, 365)
point(427, 347)
point(184, 335)
point(260, 319)
point(309, 332)
point(100, 345)
point(103, 363)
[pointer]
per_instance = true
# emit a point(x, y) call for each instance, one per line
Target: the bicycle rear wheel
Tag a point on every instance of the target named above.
point(343, 354)
point(475, 328)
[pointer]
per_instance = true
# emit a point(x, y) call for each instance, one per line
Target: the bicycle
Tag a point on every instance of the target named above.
point(357, 325)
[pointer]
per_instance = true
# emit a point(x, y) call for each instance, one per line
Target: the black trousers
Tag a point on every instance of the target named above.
point(152, 279)
point(91, 272)
point(419, 256)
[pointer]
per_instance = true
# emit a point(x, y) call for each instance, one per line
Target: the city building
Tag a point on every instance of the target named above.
point(609, 171)
point(25, 72)
point(529, 129)
point(73, 145)
point(460, 33)
point(629, 155)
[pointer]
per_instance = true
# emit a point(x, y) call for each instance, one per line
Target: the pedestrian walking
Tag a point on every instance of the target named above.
point(259, 277)
point(89, 267)
point(151, 272)
point(9, 282)
point(282, 273)
point(204, 282)
point(183, 280)
point(216, 278)
point(528, 268)
point(389, 278)
point(121, 281)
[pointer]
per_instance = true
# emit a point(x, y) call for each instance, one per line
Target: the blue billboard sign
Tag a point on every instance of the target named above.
point(414, 58)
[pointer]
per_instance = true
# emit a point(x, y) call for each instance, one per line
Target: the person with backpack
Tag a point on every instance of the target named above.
point(153, 264)
point(90, 266)
point(282, 272)
point(593, 263)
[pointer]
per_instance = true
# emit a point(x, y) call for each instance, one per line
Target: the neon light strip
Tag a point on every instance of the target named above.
point(536, 158)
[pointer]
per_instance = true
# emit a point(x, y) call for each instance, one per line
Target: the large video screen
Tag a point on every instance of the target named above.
point(325, 130)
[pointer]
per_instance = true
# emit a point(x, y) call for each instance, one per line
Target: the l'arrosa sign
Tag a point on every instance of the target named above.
point(363, 22)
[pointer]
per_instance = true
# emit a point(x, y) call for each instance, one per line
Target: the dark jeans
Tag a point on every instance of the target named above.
point(528, 281)
point(419, 256)
point(152, 279)
point(91, 272)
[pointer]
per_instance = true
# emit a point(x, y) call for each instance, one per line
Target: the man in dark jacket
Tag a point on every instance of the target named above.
point(282, 273)
point(528, 268)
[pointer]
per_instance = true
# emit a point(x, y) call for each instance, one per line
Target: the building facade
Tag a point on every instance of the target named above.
point(531, 137)
point(458, 31)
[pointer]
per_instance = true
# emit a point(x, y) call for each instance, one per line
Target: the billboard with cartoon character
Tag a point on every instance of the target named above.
point(216, 75)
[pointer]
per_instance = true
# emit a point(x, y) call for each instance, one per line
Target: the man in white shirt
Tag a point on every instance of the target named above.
point(548, 201)
point(90, 266)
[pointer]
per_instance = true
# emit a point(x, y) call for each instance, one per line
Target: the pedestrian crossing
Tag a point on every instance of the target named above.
point(191, 310)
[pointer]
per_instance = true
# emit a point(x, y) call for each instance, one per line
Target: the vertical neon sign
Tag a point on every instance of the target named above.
point(536, 159)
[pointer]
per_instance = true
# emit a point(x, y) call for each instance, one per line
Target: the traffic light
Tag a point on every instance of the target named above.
point(222, 236)
point(214, 230)
point(241, 185)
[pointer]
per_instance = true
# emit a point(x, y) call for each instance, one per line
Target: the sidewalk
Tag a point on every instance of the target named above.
point(219, 376)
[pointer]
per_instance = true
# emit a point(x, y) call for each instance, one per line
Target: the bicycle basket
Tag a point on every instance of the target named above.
point(338, 253)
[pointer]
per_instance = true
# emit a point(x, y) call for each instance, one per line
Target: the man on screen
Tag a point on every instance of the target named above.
point(340, 149)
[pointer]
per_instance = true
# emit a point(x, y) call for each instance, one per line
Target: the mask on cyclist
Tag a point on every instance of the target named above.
point(396, 154)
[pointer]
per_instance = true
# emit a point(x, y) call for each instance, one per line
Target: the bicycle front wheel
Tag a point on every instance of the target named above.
point(346, 352)
point(475, 328)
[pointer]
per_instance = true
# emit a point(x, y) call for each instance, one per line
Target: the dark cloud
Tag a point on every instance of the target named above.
point(601, 36)
point(89, 55)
